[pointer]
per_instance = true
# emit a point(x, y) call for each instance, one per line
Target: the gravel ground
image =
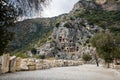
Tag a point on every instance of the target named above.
point(83, 72)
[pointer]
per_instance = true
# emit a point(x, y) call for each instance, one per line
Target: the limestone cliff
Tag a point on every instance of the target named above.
point(70, 40)
point(69, 34)
point(109, 5)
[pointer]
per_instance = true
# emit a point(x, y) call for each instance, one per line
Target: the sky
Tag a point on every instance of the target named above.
point(57, 7)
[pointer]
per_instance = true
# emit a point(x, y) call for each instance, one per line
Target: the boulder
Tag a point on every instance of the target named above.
point(5, 63)
point(23, 65)
point(12, 65)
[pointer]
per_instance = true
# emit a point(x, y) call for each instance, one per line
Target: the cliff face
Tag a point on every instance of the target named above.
point(108, 5)
point(70, 37)
point(70, 40)
point(67, 36)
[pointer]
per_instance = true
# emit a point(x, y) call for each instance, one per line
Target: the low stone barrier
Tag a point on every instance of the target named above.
point(13, 64)
point(39, 64)
point(116, 67)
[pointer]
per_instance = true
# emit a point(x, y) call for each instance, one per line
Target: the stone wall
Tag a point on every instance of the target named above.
point(13, 64)
point(38, 64)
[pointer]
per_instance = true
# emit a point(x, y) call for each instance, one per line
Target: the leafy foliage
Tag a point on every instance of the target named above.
point(33, 51)
point(86, 57)
point(31, 33)
point(8, 16)
point(42, 56)
point(100, 17)
point(107, 45)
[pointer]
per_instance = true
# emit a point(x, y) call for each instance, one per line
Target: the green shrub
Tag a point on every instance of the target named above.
point(68, 25)
point(100, 17)
point(42, 56)
point(57, 25)
point(33, 51)
point(86, 57)
point(22, 55)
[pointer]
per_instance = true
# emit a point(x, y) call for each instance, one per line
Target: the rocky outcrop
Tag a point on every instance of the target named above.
point(70, 40)
point(82, 5)
point(100, 2)
point(70, 37)
point(109, 5)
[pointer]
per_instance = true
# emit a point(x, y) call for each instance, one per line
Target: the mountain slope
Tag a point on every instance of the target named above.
point(28, 32)
point(67, 36)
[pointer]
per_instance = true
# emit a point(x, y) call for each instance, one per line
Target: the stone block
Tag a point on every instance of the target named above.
point(117, 67)
point(12, 65)
point(31, 67)
point(23, 65)
point(18, 62)
point(5, 63)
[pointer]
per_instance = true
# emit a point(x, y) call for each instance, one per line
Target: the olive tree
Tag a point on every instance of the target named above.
point(106, 46)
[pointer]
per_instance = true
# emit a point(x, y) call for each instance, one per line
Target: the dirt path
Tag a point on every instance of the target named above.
point(84, 72)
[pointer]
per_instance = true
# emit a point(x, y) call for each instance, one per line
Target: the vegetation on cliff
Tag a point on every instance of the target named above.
point(8, 16)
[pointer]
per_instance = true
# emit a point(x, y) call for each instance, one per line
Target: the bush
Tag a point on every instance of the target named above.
point(57, 25)
point(33, 51)
point(22, 55)
point(42, 56)
point(68, 25)
point(86, 57)
point(100, 17)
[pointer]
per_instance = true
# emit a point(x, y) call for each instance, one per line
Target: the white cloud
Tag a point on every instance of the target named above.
point(58, 7)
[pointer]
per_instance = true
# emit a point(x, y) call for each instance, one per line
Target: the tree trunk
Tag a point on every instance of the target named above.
point(96, 59)
point(108, 65)
point(116, 61)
